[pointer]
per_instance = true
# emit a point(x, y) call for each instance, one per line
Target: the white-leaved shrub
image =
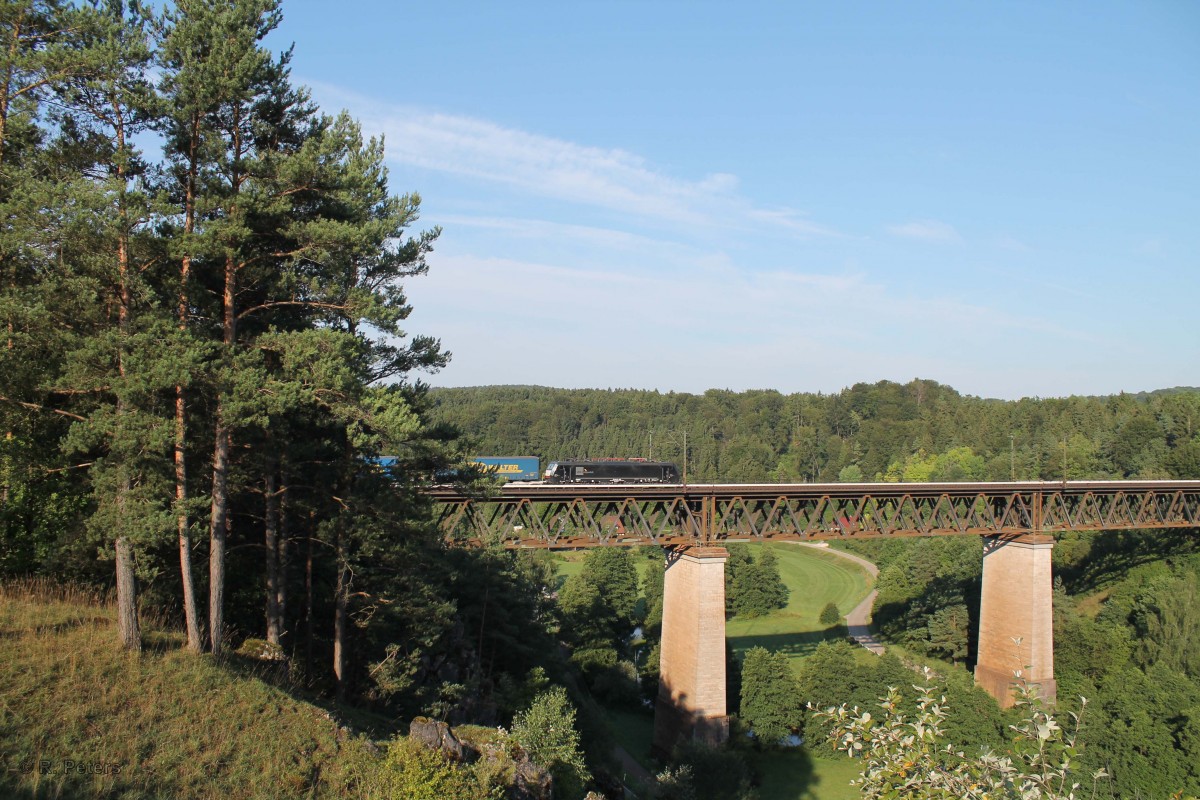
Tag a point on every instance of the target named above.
point(907, 757)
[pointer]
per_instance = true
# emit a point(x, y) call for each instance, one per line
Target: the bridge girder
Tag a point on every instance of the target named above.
point(568, 517)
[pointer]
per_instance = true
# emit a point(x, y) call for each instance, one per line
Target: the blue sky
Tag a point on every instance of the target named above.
point(1003, 197)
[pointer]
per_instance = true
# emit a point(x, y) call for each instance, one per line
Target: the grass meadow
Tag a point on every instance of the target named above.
point(80, 718)
point(815, 577)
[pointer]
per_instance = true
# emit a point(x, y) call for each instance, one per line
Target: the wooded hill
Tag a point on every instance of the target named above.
point(921, 430)
point(1127, 605)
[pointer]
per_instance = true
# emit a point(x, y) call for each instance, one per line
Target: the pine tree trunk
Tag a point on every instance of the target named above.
point(308, 605)
point(190, 613)
point(128, 628)
point(271, 550)
point(281, 595)
point(219, 526)
point(341, 615)
point(217, 534)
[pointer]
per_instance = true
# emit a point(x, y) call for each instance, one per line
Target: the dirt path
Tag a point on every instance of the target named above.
point(858, 620)
point(634, 771)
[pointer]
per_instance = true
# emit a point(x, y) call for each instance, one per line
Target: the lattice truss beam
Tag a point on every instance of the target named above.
point(580, 521)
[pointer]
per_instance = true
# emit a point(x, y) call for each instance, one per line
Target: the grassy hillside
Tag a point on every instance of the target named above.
point(80, 718)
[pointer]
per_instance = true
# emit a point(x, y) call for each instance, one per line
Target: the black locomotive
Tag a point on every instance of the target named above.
point(611, 471)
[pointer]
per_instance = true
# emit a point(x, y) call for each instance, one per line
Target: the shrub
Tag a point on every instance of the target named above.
point(909, 758)
point(546, 730)
point(415, 772)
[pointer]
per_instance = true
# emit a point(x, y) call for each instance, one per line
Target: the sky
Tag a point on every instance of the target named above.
point(1002, 197)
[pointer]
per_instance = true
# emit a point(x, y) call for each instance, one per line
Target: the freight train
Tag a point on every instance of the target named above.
point(633, 470)
point(510, 468)
point(524, 469)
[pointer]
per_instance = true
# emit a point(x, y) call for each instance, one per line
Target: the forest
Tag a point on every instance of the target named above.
point(205, 351)
point(917, 431)
point(202, 311)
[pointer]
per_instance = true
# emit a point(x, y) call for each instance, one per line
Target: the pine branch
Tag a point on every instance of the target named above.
point(37, 407)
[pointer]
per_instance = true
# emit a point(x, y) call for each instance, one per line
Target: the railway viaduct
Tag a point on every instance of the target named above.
point(1017, 522)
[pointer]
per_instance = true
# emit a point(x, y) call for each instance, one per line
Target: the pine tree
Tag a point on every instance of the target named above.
point(220, 137)
point(600, 602)
point(776, 589)
point(756, 586)
point(114, 364)
point(37, 52)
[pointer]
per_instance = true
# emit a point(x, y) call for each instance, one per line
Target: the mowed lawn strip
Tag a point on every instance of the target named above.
point(814, 577)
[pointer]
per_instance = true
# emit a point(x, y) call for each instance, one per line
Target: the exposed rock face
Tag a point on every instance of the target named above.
point(437, 736)
point(531, 782)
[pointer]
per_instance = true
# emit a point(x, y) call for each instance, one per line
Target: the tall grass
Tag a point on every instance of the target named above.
point(80, 717)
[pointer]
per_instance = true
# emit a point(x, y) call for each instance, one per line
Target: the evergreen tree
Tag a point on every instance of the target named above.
point(757, 587)
point(777, 591)
point(771, 703)
point(221, 80)
point(41, 497)
point(652, 591)
point(739, 560)
point(115, 361)
point(948, 632)
point(600, 602)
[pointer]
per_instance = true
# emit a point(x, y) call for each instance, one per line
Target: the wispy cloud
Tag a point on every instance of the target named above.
point(794, 221)
point(722, 327)
point(926, 230)
point(608, 178)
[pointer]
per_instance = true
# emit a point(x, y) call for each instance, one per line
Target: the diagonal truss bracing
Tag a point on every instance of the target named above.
point(574, 516)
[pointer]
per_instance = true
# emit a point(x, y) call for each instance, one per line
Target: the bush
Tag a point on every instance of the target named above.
point(546, 730)
point(714, 773)
point(415, 772)
point(909, 758)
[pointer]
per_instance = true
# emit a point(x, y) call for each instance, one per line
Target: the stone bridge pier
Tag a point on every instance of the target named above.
point(691, 690)
point(1016, 616)
point(1016, 634)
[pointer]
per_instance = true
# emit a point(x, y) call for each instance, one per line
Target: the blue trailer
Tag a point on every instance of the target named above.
point(510, 468)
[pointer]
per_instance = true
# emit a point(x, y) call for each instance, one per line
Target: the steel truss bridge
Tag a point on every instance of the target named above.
point(573, 516)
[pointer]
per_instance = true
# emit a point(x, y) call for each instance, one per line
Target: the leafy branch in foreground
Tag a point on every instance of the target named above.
point(909, 758)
